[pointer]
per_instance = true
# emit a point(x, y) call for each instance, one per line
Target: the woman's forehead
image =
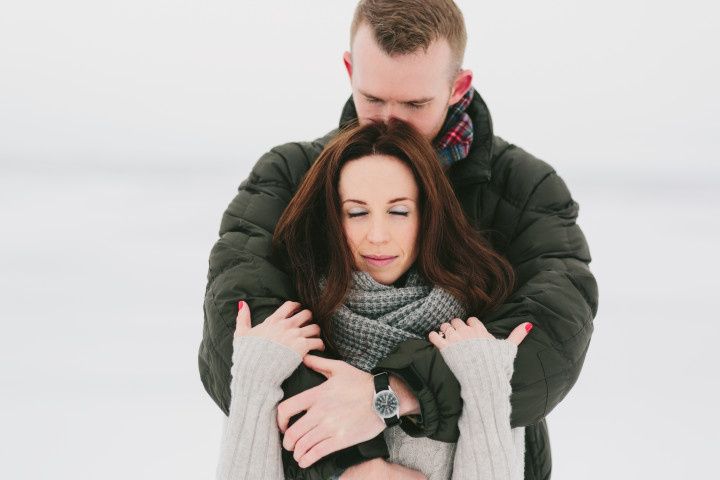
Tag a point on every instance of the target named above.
point(377, 178)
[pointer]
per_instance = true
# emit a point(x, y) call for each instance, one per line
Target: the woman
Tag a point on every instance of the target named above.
point(381, 252)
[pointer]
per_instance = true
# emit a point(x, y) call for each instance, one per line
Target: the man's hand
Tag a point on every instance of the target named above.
point(378, 468)
point(338, 413)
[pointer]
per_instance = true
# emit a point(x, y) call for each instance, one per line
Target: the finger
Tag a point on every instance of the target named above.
point(294, 405)
point(520, 332)
point(322, 365)
point(243, 321)
point(300, 318)
point(437, 340)
point(314, 344)
point(444, 326)
point(297, 430)
point(325, 447)
point(475, 323)
point(312, 330)
point(285, 310)
point(458, 324)
point(308, 441)
point(451, 333)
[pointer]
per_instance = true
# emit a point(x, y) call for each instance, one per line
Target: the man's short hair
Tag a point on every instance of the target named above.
point(404, 26)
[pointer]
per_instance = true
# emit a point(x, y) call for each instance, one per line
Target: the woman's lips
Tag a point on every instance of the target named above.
point(379, 260)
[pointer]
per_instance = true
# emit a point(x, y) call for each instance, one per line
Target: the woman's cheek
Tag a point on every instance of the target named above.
point(352, 233)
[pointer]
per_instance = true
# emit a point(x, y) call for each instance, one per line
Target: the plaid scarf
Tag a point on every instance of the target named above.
point(454, 140)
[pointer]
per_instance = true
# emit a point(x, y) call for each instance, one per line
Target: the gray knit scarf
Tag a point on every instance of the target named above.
point(375, 318)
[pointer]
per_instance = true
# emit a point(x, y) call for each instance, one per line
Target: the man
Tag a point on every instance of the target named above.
point(405, 62)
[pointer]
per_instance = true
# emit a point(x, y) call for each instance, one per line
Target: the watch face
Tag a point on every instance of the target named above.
point(386, 404)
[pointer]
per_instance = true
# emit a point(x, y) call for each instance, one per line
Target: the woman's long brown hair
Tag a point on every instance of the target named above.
point(310, 239)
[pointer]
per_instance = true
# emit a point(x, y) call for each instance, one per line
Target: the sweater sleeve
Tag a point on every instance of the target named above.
point(250, 447)
point(487, 448)
point(242, 266)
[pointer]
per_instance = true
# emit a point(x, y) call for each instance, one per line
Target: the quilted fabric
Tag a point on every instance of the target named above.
point(526, 211)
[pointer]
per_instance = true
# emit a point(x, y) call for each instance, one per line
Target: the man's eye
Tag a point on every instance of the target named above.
point(415, 105)
point(374, 100)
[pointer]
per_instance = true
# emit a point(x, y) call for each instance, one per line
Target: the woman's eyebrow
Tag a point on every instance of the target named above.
point(391, 201)
point(401, 199)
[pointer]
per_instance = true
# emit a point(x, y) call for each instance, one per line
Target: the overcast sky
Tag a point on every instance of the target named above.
point(126, 127)
point(624, 86)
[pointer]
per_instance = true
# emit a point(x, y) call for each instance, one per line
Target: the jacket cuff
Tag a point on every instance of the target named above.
point(367, 450)
point(427, 422)
point(417, 362)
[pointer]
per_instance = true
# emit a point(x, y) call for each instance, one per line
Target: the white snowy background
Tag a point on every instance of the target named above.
point(126, 127)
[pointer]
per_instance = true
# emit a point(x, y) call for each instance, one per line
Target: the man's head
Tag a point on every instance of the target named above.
point(405, 61)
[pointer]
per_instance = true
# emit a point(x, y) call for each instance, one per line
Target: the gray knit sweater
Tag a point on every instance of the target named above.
point(487, 449)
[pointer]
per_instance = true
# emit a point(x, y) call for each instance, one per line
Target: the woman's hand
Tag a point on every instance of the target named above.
point(380, 468)
point(457, 331)
point(288, 326)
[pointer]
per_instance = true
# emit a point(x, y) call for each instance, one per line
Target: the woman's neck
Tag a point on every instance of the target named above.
point(400, 282)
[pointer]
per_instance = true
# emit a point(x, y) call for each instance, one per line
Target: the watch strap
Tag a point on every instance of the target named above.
point(382, 382)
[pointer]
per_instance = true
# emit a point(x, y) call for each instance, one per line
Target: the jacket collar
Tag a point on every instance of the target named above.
point(476, 167)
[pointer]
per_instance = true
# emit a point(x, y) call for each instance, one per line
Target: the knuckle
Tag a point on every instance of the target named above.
point(309, 457)
point(290, 306)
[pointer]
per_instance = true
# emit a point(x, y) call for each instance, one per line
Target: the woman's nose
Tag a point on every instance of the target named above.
point(378, 232)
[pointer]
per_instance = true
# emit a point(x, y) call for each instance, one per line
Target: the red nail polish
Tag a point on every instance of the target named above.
point(528, 327)
point(241, 304)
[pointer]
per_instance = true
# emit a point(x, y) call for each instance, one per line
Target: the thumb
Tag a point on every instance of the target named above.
point(520, 332)
point(320, 364)
point(242, 322)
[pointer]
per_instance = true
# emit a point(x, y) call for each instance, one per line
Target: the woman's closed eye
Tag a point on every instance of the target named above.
point(360, 213)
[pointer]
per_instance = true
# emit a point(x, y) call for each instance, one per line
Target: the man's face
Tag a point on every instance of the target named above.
point(417, 88)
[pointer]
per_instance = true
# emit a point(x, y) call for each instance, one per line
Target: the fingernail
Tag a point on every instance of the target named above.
point(528, 327)
point(241, 304)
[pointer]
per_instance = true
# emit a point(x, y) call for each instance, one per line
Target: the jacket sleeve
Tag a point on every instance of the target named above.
point(555, 291)
point(241, 267)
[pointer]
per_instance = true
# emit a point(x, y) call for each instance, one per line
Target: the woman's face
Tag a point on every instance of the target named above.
point(379, 207)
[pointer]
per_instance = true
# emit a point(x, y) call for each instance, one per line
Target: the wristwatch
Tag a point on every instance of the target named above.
point(385, 402)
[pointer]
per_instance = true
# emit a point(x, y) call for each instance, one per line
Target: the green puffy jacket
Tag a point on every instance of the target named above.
point(527, 213)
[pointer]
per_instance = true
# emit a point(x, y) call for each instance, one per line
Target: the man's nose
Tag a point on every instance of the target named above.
point(390, 111)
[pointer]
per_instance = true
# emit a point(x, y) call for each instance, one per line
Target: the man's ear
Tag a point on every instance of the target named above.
point(462, 83)
point(347, 60)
